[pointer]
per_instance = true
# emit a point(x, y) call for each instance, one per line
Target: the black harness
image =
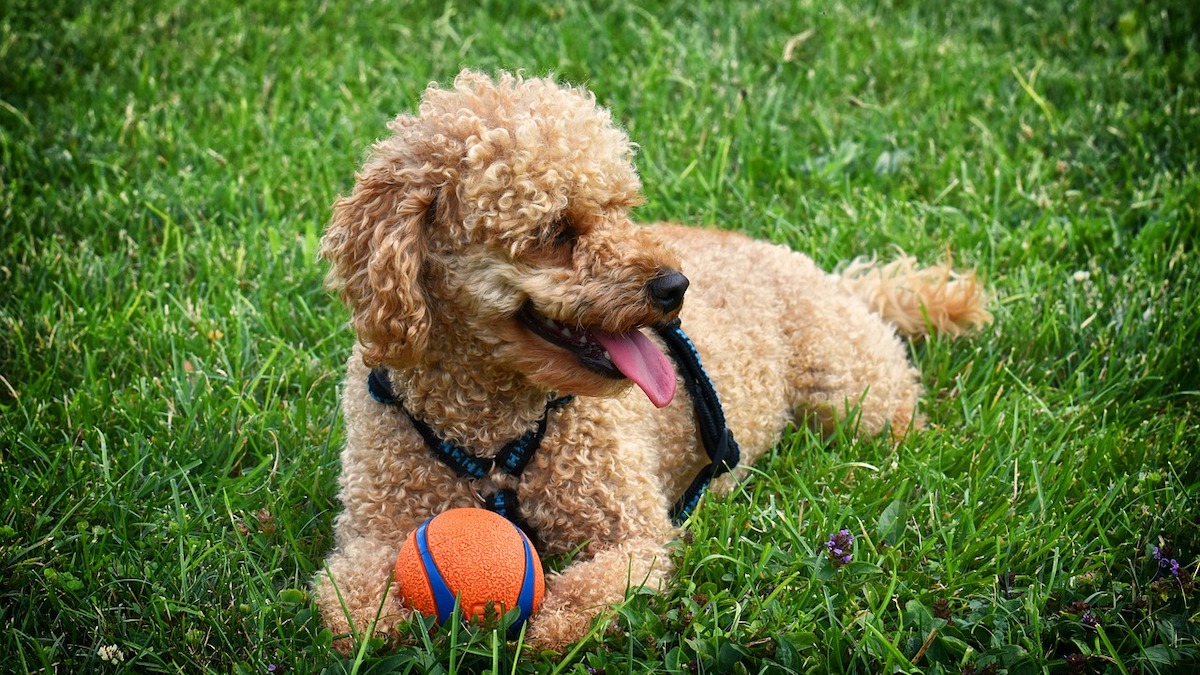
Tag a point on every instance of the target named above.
point(722, 450)
point(512, 458)
point(719, 444)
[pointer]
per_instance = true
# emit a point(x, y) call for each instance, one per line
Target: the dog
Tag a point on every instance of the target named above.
point(490, 265)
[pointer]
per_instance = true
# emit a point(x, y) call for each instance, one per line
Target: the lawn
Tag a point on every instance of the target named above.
point(169, 358)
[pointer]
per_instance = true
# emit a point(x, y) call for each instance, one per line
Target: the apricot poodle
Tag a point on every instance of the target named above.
point(488, 259)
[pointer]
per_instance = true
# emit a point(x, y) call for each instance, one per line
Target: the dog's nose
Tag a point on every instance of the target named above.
point(667, 290)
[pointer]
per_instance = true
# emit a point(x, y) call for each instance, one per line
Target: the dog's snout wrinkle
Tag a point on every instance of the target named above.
point(667, 290)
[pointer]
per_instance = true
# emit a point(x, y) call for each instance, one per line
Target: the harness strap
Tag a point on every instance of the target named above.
point(722, 450)
point(462, 462)
point(512, 458)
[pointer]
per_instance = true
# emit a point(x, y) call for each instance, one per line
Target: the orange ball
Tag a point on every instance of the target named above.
point(472, 555)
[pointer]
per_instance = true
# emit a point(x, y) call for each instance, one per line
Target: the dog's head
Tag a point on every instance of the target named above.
point(495, 224)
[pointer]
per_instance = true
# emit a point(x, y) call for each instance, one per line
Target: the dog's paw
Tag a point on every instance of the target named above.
point(348, 636)
point(556, 629)
point(561, 623)
point(351, 625)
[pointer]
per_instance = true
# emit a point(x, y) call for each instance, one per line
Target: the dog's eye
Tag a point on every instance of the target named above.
point(564, 233)
point(555, 244)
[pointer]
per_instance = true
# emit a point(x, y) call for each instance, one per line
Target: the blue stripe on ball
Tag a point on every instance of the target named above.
point(525, 599)
point(442, 596)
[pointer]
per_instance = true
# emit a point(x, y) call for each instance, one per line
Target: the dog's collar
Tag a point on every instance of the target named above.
point(719, 444)
point(511, 459)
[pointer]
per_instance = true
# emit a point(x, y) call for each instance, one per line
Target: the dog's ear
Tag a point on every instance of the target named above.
point(376, 244)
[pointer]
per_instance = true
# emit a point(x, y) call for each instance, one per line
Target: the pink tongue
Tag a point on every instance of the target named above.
point(642, 361)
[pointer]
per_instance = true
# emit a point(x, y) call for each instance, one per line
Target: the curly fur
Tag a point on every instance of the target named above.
point(510, 196)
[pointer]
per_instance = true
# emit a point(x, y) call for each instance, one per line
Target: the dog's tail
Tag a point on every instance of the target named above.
point(919, 300)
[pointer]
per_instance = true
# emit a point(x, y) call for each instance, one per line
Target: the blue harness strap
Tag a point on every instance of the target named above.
point(719, 444)
point(722, 450)
point(512, 458)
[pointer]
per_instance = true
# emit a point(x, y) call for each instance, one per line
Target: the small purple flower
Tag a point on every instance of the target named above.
point(1170, 564)
point(839, 548)
point(1088, 619)
point(1165, 561)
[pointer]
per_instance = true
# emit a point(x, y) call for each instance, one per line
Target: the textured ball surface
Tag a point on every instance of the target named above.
point(474, 555)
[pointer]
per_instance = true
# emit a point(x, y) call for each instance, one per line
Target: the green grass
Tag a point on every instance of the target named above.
point(169, 358)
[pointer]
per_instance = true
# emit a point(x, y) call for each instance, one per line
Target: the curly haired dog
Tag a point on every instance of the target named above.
point(489, 262)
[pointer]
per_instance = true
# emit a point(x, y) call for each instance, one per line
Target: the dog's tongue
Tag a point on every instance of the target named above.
point(642, 361)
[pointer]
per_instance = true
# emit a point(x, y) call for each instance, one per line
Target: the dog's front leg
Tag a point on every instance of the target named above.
point(356, 594)
point(590, 587)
